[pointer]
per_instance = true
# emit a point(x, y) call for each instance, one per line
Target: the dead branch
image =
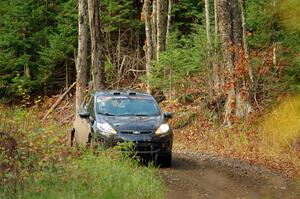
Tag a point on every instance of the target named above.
point(58, 101)
point(67, 118)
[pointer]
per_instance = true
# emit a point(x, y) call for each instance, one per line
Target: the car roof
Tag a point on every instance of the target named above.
point(122, 93)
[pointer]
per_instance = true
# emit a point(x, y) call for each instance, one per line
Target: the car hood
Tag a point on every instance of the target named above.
point(134, 122)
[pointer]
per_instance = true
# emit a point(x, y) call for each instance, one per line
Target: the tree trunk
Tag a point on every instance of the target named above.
point(218, 81)
point(148, 48)
point(216, 25)
point(161, 27)
point(245, 46)
point(81, 63)
point(209, 48)
point(67, 74)
point(230, 27)
point(154, 27)
point(169, 20)
point(212, 62)
point(207, 25)
point(26, 71)
point(96, 45)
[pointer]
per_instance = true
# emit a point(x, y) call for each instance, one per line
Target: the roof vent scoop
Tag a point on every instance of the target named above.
point(132, 93)
point(117, 93)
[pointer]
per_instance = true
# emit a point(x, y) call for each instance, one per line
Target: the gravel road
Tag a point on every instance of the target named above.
point(198, 175)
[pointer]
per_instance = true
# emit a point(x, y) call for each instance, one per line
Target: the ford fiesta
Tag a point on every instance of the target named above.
point(110, 117)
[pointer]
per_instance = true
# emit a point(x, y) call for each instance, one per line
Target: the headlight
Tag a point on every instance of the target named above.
point(106, 128)
point(164, 128)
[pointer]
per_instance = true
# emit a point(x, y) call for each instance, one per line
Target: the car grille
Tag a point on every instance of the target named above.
point(136, 132)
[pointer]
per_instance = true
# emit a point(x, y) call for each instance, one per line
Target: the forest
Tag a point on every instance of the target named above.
point(229, 70)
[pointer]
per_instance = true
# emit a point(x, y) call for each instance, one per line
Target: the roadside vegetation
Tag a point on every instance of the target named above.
point(268, 138)
point(41, 165)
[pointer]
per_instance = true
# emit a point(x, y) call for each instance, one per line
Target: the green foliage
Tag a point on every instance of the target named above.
point(25, 27)
point(186, 14)
point(184, 57)
point(44, 167)
point(41, 37)
point(269, 24)
point(94, 176)
point(119, 14)
point(258, 19)
point(61, 48)
point(38, 42)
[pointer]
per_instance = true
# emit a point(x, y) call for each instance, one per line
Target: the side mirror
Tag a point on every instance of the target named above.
point(84, 115)
point(168, 115)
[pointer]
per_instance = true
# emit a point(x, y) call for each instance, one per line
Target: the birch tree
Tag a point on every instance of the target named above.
point(81, 63)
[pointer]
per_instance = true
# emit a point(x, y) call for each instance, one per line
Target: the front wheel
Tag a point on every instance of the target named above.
point(94, 142)
point(166, 160)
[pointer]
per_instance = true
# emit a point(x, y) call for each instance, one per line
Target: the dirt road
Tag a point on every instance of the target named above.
point(196, 175)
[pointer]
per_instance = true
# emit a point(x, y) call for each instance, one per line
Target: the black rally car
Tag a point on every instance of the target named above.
point(109, 117)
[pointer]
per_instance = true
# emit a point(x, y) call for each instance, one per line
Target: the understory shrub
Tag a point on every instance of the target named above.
point(43, 166)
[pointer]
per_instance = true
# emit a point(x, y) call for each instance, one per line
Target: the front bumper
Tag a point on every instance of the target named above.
point(149, 144)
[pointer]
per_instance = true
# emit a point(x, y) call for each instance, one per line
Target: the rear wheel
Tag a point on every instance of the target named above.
point(72, 138)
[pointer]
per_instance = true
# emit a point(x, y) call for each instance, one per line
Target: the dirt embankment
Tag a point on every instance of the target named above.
point(198, 175)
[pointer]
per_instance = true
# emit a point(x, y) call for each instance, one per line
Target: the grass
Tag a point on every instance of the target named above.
point(281, 128)
point(92, 176)
point(44, 167)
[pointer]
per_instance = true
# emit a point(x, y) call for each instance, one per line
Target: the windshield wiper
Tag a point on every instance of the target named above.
point(106, 114)
point(140, 115)
point(132, 114)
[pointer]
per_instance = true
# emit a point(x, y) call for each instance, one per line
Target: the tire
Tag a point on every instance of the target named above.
point(93, 143)
point(166, 160)
point(72, 138)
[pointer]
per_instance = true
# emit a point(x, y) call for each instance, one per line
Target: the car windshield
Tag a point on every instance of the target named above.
point(127, 106)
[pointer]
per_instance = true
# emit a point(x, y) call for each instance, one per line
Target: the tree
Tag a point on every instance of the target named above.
point(81, 63)
point(57, 65)
point(207, 25)
point(211, 71)
point(170, 4)
point(156, 32)
point(162, 18)
point(154, 28)
point(96, 45)
point(235, 72)
point(245, 45)
point(148, 48)
point(24, 27)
